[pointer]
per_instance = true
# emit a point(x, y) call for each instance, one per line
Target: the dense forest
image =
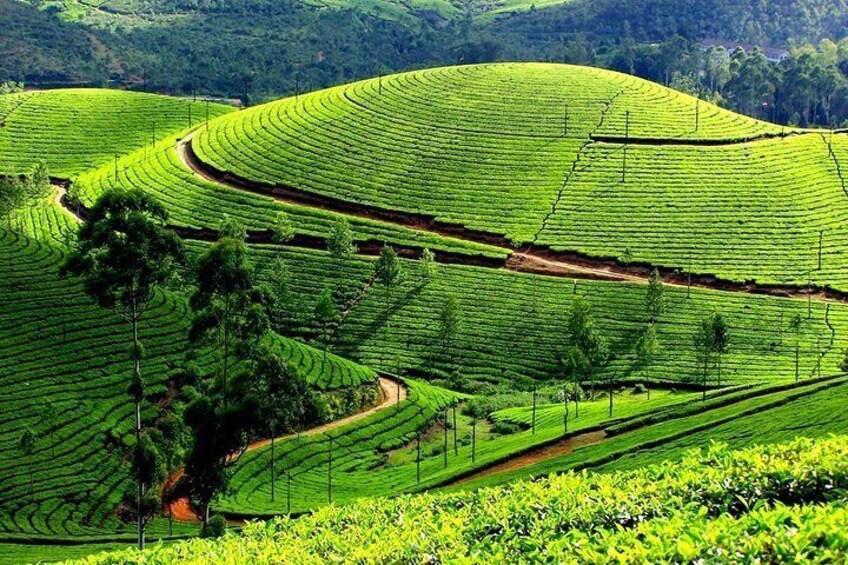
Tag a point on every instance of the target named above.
point(258, 49)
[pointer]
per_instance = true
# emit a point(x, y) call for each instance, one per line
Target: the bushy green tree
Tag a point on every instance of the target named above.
point(387, 272)
point(427, 266)
point(26, 445)
point(584, 337)
point(285, 400)
point(654, 304)
point(647, 348)
point(231, 310)
point(326, 317)
point(447, 330)
point(123, 253)
point(282, 230)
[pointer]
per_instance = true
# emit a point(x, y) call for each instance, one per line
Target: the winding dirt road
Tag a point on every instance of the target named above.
point(531, 258)
point(392, 392)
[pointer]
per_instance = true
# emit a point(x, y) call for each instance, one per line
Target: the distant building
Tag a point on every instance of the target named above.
point(772, 54)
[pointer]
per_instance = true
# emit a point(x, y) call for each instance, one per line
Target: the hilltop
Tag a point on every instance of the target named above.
point(536, 188)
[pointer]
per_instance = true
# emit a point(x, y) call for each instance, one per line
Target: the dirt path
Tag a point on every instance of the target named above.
point(529, 258)
point(556, 449)
point(60, 194)
point(391, 393)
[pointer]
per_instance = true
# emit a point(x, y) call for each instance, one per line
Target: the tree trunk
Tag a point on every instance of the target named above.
point(225, 360)
point(273, 462)
point(137, 377)
point(576, 400)
point(610, 399)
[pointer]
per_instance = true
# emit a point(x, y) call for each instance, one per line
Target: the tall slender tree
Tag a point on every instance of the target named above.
point(654, 304)
point(284, 397)
point(122, 254)
point(231, 311)
point(720, 340)
point(795, 324)
point(326, 316)
point(388, 272)
point(26, 445)
point(647, 348)
point(703, 339)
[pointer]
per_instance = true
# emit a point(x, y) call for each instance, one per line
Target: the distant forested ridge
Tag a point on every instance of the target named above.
point(259, 49)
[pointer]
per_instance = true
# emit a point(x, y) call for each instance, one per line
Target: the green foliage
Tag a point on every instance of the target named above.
point(654, 297)
point(427, 266)
point(326, 315)
point(231, 312)
point(123, 251)
point(740, 503)
point(340, 243)
point(283, 229)
point(215, 528)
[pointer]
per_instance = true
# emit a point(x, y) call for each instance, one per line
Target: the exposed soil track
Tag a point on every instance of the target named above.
point(560, 447)
point(391, 393)
point(529, 258)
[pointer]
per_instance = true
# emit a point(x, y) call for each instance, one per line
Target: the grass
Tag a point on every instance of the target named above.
point(76, 129)
point(650, 444)
point(775, 504)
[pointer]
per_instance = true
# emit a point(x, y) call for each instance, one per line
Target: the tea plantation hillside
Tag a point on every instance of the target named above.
point(568, 158)
point(774, 504)
point(513, 326)
point(63, 375)
point(538, 188)
point(76, 129)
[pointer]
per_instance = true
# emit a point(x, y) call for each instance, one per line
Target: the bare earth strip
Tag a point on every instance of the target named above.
point(528, 258)
point(392, 392)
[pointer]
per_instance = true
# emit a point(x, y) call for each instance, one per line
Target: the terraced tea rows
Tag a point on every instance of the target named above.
point(358, 450)
point(513, 325)
point(775, 504)
point(487, 147)
point(76, 129)
point(655, 441)
point(743, 212)
point(63, 364)
point(196, 203)
point(63, 375)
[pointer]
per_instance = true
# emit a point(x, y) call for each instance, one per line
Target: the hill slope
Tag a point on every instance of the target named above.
point(711, 505)
point(568, 158)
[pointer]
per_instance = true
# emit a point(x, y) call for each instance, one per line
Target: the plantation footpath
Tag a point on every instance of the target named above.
point(392, 392)
point(507, 150)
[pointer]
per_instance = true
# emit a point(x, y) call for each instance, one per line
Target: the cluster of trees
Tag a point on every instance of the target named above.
point(280, 47)
point(809, 87)
point(17, 192)
point(124, 255)
point(588, 353)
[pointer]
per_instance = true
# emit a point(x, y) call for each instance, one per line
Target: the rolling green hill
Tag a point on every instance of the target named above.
point(686, 185)
point(498, 169)
point(76, 129)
